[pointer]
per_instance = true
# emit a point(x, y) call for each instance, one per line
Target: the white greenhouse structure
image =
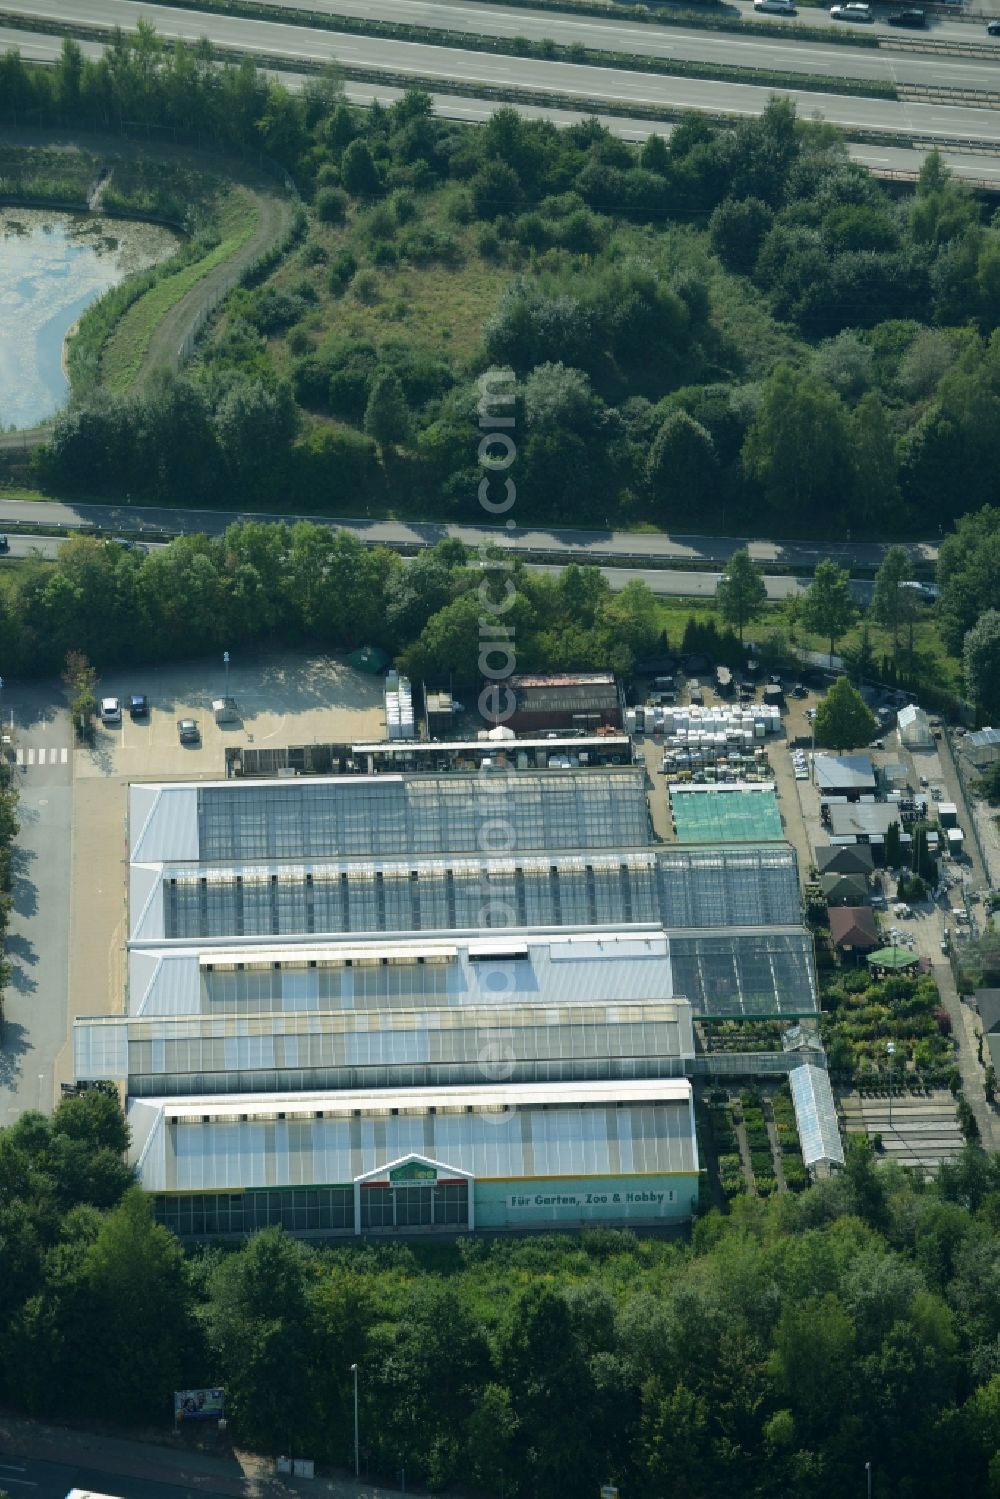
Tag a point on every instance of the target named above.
point(913, 728)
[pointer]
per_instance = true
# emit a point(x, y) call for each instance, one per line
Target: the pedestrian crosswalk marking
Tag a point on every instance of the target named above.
point(51, 755)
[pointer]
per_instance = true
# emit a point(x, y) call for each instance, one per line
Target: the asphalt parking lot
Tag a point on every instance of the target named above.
point(281, 699)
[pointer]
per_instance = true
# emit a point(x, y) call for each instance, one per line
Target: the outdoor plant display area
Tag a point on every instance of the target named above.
point(749, 1159)
point(862, 1014)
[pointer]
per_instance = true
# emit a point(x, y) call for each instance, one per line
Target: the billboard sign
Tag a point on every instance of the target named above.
point(199, 1405)
point(413, 1171)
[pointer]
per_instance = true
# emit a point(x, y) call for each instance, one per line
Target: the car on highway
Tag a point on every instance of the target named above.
point(776, 7)
point(993, 28)
point(188, 731)
point(915, 19)
point(854, 10)
point(111, 710)
point(4, 543)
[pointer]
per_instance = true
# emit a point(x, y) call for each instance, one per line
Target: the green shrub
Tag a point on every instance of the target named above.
point(367, 286)
point(343, 267)
point(331, 205)
point(403, 206)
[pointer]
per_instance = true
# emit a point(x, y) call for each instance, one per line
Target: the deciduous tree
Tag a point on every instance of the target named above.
point(740, 593)
point(828, 607)
point(981, 664)
point(843, 721)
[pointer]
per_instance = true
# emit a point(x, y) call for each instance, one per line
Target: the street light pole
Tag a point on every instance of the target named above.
point(868, 1470)
point(890, 1052)
point(225, 662)
point(357, 1462)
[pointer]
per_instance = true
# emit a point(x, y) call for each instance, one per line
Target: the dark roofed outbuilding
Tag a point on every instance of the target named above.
point(853, 928)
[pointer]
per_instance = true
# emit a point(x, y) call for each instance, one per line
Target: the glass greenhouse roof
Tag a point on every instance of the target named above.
point(757, 975)
point(816, 1116)
point(383, 815)
point(544, 1043)
point(673, 887)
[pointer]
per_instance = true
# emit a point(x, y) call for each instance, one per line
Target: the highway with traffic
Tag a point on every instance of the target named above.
point(301, 45)
point(594, 31)
point(760, 46)
point(884, 159)
point(619, 548)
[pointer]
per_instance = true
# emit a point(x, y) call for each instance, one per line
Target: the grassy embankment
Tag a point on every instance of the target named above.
point(129, 340)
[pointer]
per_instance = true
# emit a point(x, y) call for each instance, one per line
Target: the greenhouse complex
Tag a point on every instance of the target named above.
point(345, 1017)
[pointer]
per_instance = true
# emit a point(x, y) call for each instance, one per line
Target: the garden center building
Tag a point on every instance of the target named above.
point(345, 1017)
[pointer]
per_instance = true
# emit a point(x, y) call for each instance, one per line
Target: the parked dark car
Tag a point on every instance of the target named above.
point(915, 19)
point(138, 706)
point(188, 731)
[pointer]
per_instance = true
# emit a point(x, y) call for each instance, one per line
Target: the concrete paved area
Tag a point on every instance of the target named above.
point(918, 1132)
point(35, 1002)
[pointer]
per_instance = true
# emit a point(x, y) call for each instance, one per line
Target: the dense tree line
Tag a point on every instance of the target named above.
point(261, 583)
point(734, 317)
point(969, 605)
point(776, 1352)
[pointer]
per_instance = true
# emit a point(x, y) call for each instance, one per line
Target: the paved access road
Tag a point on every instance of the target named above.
point(565, 545)
point(887, 160)
point(761, 47)
point(36, 999)
point(263, 40)
point(26, 1478)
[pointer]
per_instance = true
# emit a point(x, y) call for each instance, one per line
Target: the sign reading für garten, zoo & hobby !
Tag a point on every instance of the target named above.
point(589, 1199)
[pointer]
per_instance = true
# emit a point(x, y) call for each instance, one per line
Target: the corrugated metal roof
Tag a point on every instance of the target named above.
point(162, 823)
point(560, 968)
point(855, 772)
point(816, 1116)
point(863, 818)
point(557, 1130)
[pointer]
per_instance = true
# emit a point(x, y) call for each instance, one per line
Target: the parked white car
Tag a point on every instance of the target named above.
point(111, 710)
